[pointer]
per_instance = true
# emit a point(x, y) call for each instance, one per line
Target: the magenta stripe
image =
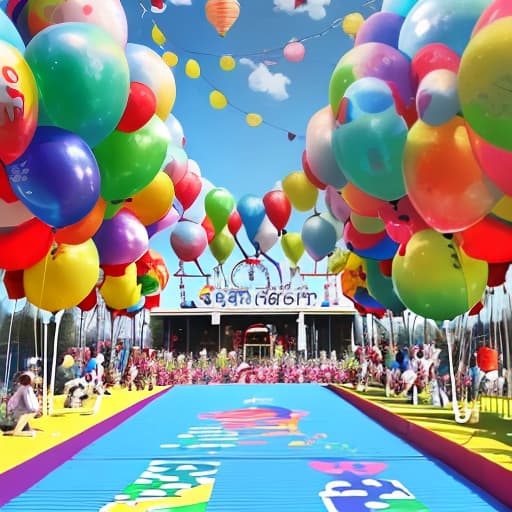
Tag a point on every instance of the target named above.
point(17, 480)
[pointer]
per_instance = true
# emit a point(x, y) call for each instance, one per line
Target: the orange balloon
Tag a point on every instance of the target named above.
point(154, 201)
point(85, 228)
point(222, 14)
point(361, 202)
point(444, 181)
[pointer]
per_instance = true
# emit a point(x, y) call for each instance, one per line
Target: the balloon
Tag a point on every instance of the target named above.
point(219, 204)
point(13, 214)
point(300, 191)
point(18, 104)
point(129, 161)
point(432, 57)
point(147, 67)
point(357, 240)
point(383, 249)
point(375, 60)
point(320, 157)
point(222, 14)
point(496, 10)
point(171, 218)
point(187, 189)
point(369, 148)
point(438, 21)
point(141, 107)
point(278, 208)
point(227, 63)
point(24, 245)
point(197, 211)
point(483, 79)
point(380, 27)
point(400, 7)
point(121, 292)
point(222, 246)
point(208, 227)
point(234, 222)
point(253, 120)
point(309, 173)
point(82, 76)
point(218, 100)
point(336, 204)
point(176, 170)
point(7, 195)
point(381, 287)
point(154, 201)
point(439, 170)
point(13, 282)
point(175, 131)
point(85, 228)
point(266, 236)
point(121, 239)
point(188, 240)
point(497, 274)
point(361, 202)
point(294, 51)
point(170, 58)
point(435, 278)
point(252, 213)
point(437, 99)
point(109, 15)
point(9, 33)
point(293, 247)
point(152, 264)
point(368, 225)
point(352, 23)
point(319, 237)
point(192, 68)
point(63, 278)
point(57, 178)
point(337, 260)
point(503, 209)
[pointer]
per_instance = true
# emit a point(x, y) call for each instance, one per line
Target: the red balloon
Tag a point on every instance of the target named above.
point(187, 189)
point(115, 270)
point(309, 173)
point(360, 240)
point(208, 227)
point(385, 267)
point(140, 108)
point(278, 208)
point(13, 281)
point(6, 192)
point(431, 57)
point(234, 222)
point(497, 274)
point(152, 301)
point(90, 301)
point(25, 245)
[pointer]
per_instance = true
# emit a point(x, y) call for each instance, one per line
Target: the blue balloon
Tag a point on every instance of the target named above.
point(368, 96)
point(385, 249)
point(137, 306)
point(252, 212)
point(319, 237)
point(57, 178)
point(401, 7)
point(440, 21)
point(9, 33)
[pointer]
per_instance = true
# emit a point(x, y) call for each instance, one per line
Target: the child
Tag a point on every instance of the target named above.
point(23, 405)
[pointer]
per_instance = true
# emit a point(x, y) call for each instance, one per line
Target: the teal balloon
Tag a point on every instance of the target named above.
point(369, 151)
point(319, 236)
point(218, 205)
point(129, 161)
point(381, 287)
point(83, 78)
point(9, 33)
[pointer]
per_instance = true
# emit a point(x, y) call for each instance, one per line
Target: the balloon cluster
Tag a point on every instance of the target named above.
point(414, 153)
point(86, 133)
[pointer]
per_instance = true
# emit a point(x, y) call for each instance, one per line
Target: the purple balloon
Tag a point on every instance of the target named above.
point(122, 239)
point(57, 178)
point(336, 204)
point(165, 222)
point(380, 27)
point(188, 240)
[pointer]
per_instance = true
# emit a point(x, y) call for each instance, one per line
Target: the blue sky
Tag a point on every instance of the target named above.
point(229, 153)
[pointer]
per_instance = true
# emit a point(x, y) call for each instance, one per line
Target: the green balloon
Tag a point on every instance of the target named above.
point(381, 287)
point(293, 247)
point(342, 77)
point(112, 209)
point(218, 205)
point(222, 246)
point(83, 78)
point(129, 161)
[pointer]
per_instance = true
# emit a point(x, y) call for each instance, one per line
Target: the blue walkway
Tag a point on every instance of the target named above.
point(260, 448)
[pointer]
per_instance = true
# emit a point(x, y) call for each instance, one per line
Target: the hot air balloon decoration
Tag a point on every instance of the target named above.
point(222, 14)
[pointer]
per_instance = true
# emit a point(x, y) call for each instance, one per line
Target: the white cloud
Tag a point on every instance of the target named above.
point(261, 79)
point(181, 2)
point(315, 8)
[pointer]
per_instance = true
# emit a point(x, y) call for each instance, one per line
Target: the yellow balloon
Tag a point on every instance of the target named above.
point(64, 277)
point(368, 225)
point(154, 200)
point(218, 100)
point(68, 361)
point(122, 292)
point(352, 23)
point(300, 191)
point(253, 120)
point(503, 209)
point(170, 58)
point(227, 63)
point(192, 69)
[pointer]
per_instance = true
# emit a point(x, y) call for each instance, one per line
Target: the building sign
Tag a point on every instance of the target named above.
point(264, 298)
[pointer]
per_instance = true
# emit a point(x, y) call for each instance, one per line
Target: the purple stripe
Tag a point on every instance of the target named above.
point(20, 478)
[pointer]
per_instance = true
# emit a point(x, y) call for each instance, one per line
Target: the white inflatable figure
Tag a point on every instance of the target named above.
point(132, 375)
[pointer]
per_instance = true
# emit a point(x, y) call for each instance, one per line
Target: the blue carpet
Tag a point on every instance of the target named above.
point(242, 448)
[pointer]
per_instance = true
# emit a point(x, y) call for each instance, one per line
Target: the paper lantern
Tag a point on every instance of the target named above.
point(218, 100)
point(253, 120)
point(222, 14)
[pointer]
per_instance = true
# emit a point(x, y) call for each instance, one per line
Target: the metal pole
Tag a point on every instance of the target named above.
point(330, 342)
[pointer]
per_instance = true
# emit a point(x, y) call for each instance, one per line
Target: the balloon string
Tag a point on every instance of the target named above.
point(200, 269)
point(240, 247)
point(276, 264)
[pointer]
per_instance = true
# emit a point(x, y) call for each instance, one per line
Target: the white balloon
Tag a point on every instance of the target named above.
point(175, 131)
point(193, 167)
point(267, 235)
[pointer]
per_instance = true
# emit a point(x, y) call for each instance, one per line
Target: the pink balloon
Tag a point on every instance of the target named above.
point(176, 170)
point(294, 51)
point(498, 9)
point(360, 240)
point(188, 240)
point(168, 220)
point(336, 204)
